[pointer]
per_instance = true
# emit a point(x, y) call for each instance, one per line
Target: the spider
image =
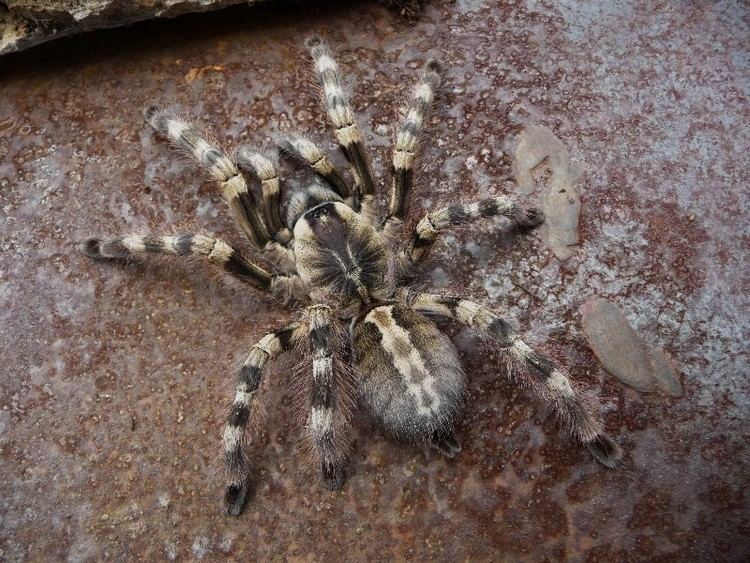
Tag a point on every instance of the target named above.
point(351, 274)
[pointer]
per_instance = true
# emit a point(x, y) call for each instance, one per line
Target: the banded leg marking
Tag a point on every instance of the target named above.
point(215, 250)
point(218, 164)
point(312, 156)
point(407, 143)
point(287, 288)
point(264, 170)
point(339, 111)
point(235, 458)
point(325, 399)
point(541, 375)
point(427, 230)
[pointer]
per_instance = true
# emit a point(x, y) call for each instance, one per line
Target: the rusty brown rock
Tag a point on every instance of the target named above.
point(115, 380)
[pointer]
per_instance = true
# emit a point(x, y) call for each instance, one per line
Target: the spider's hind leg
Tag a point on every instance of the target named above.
point(536, 372)
point(236, 461)
point(329, 402)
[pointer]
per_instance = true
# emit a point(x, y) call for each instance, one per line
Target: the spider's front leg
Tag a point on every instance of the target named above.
point(307, 153)
point(236, 463)
point(539, 374)
point(265, 172)
point(346, 130)
point(234, 188)
point(407, 145)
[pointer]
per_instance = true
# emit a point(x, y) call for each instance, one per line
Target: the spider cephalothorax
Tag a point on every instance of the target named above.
point(349, 271)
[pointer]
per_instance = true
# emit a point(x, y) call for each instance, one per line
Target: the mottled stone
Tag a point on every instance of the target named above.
point(616, 344)
point(623, 352)
point(539, 152)
point(664, 374)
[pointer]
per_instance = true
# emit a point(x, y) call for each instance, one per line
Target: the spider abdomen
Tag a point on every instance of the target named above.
point(412, 380)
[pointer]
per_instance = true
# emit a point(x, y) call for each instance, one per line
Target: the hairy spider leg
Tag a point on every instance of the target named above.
point(236, 462)
point(310, 155)
point(537, 373)
point(407, 145)
point(233, 185)
point(346, 130)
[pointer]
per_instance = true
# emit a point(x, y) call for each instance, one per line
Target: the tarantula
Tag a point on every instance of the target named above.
point(352, 273)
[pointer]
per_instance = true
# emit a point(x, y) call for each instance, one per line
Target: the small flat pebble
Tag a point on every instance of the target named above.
point(623, 353)
point(537, 147)
point(665, 375)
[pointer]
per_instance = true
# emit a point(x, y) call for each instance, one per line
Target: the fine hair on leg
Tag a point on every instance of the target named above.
point(236, 461)
point(407, 144)
point(308, 153)
point(535, 372)
point(429, 227)
point(329, 400)
point(219, 166)
point(346, 130)
point(265, 172)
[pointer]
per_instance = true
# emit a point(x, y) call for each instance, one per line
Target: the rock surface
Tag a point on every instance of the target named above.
point(539, 152)
point(25, 23)
point(623, 352)
point(115, 379)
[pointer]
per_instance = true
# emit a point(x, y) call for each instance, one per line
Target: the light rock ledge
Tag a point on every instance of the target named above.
point(25, 23)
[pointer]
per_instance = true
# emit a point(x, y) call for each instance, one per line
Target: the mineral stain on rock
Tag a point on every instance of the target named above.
point(538, 148)
point(623, 353)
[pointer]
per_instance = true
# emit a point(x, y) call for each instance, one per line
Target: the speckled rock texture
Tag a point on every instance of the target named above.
point(115, 379)
point(25, 23)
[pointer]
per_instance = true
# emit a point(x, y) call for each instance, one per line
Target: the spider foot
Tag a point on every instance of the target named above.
point(333, 476)
point(605, 450)
point(446, 443)
point(91, 247)
point(235, 496)
point(529, 218)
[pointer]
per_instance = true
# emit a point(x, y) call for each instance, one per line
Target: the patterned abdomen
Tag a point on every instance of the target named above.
point(409, 372)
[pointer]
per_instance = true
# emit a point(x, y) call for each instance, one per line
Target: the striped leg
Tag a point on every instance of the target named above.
point(264, 170)
point(248, 380)
point(233, 185)
point(427, 230)
point(407, 145)
point(308, 153)
point(347, 132)
point(216, 251)
point(537, 373)
point(326, 399)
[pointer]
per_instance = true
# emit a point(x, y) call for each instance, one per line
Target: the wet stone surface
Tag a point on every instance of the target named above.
point(116, 379)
